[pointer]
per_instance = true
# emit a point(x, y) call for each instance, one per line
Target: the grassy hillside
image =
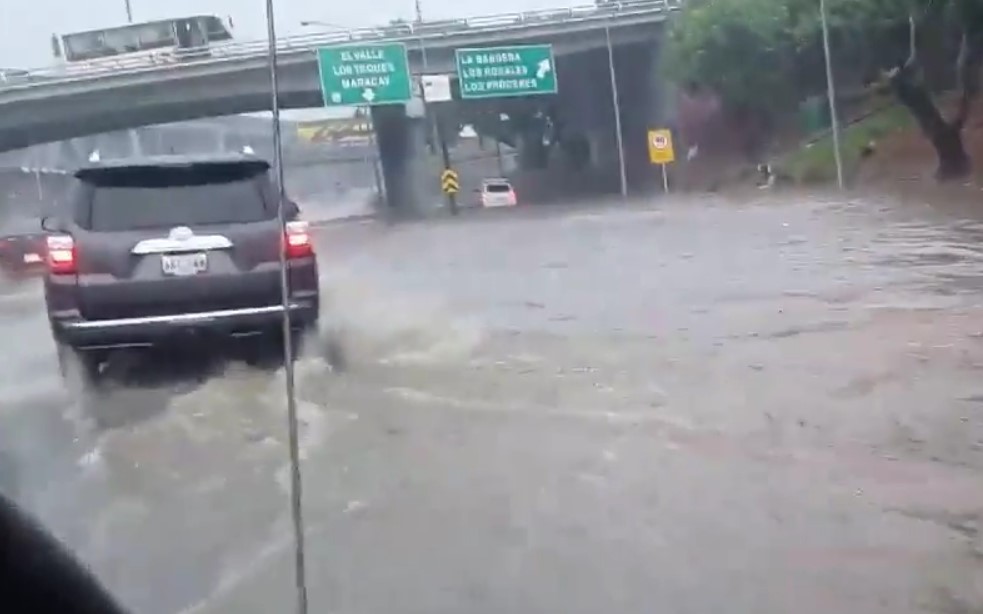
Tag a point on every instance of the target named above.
point(814, 163)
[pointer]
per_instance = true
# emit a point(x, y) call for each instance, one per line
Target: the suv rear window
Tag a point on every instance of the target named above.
point(498, 188)
point(153, 197)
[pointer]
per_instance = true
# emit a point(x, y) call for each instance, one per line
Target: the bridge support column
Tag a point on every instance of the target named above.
point(645, 93)
point(402, 150)
point(533, 154)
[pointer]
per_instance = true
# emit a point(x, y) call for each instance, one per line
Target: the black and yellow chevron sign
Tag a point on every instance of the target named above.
point(449, 182)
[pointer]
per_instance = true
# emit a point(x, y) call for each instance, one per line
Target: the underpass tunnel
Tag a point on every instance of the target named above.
point(525, 124)
point(586, 125)
point(568, 141)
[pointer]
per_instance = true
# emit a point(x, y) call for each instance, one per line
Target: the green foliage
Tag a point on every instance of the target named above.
point(751, 52)
point(738, 48)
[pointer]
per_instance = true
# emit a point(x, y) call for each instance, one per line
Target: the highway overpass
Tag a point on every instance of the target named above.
point(236, 80)
point(59, 107)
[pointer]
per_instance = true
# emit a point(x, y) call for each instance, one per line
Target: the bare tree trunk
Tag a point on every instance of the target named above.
point(946, 138)
point(910, 89)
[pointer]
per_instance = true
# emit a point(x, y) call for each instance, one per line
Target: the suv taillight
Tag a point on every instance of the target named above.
point(298, 240)
point(61, 254)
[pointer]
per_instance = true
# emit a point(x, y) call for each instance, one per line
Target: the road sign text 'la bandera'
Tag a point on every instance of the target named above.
point(520, 70)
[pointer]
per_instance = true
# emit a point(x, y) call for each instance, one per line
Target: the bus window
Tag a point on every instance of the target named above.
point(215, 29)
point(85, 46)
point(121, 41)
point(189, 34)
point(154, 36)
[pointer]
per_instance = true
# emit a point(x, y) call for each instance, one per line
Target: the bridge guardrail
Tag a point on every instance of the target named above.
point(408, 32)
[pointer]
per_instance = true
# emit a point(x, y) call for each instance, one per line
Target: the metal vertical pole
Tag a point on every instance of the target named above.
point(444, 151)
point(37, 181)
point(665, 179)
point(129, 12)
point(375, 160)
point(296, 486)
point(498, 156)
point(431, 121)
point(831, 93)
point(617, 114)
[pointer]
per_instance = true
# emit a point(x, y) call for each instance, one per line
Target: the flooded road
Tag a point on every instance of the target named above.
point(696, 405)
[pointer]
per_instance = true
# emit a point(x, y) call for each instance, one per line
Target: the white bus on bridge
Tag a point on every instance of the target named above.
point(162, 41)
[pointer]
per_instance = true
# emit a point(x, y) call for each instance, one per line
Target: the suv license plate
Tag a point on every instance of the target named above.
point(183, 265)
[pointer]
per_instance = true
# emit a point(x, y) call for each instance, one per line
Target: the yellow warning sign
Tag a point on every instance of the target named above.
point(449, 182)
point(660, 146)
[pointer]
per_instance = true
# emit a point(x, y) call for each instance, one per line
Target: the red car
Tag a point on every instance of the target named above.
point(22, 247)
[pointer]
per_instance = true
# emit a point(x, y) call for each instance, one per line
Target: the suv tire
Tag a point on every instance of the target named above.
point(266, 351)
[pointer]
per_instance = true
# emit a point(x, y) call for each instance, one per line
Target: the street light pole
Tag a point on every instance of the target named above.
point(293, 434)
point(129, 12)
point(617, 114)
point(831, 94)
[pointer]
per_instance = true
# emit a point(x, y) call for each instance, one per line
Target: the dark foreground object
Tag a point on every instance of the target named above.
point(38, 574)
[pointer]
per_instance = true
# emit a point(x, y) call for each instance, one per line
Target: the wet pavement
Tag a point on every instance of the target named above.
point(689, 406)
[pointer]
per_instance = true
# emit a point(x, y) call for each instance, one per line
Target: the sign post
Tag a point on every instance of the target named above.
point(428, 112)
point(661, 152)
point(449, 182)
point(496, 72)
point(436, 88)
point(364, 74)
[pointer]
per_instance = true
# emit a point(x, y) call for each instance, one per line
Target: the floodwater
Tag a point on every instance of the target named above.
point(692, 404)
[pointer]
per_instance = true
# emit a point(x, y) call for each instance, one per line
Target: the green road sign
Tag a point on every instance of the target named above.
point(364, 74)
point(493, 72)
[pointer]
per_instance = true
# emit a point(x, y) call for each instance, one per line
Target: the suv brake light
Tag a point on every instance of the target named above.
point(61, 254)
point(297, 241)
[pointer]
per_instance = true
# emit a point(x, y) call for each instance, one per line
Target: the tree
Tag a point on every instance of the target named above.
point(908, 83)
point(763, 56)
point(740, 49)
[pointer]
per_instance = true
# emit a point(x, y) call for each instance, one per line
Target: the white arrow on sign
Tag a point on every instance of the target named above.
point(368, 94)
point(542, 68)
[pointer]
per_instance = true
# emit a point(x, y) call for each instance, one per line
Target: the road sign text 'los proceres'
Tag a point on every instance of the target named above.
point(506, 71)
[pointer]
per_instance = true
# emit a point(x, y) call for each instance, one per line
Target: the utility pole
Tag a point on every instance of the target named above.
point(831, 94)
point(293, 427)
point(430, 113)
point(444, 151)
point(616, 103)
point(129, 12)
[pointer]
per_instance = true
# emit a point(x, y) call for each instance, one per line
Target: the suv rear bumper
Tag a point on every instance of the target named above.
point(145, 331)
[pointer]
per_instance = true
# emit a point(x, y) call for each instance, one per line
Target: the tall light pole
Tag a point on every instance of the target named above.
point(296, 483)
point(615, 102)
point(129, 12)
point(831, 94)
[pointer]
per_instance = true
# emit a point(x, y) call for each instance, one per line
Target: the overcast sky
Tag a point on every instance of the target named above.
point(26, 26)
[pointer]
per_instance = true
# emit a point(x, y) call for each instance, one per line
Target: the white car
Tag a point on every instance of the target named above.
point(497, 193)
